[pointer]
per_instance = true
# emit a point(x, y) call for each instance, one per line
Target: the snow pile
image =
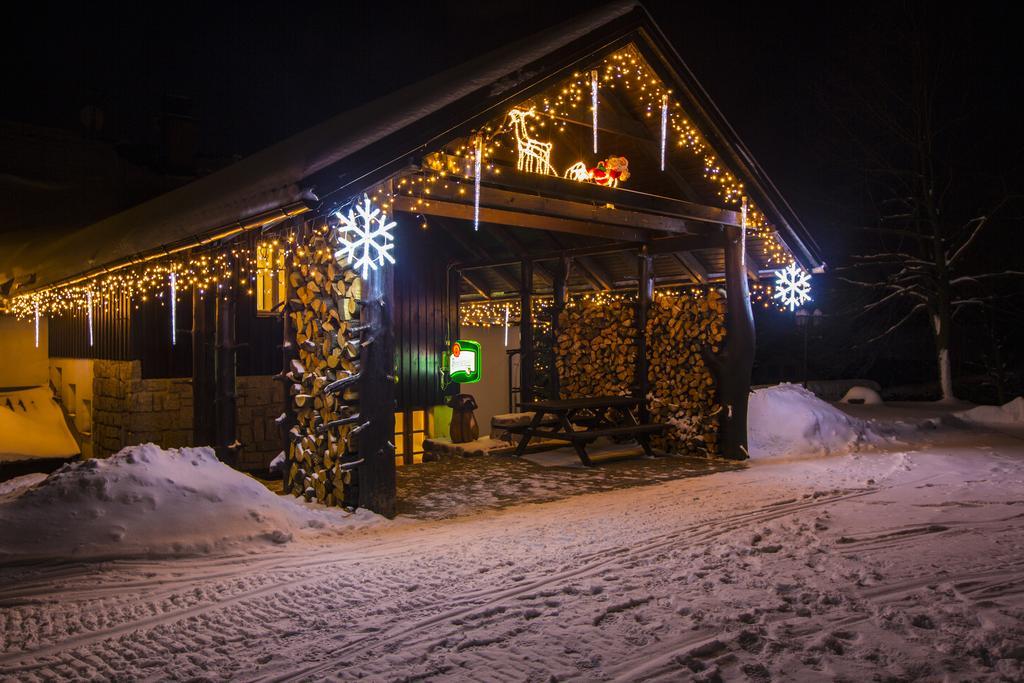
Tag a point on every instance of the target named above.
point(864, 395)
point(145, 501)
point(32, 426)
point(790, 420)
point(1010, 414)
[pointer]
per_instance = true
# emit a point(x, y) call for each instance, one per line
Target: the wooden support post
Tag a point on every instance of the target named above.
point(561, 279)
point(377, 488)
point(289, 352)
point(643, 304)
point(225, 409)
point(526, 357)
point(733, 365)
point(202, 368)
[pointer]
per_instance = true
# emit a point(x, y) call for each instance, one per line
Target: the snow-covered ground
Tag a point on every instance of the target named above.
point(902, 559)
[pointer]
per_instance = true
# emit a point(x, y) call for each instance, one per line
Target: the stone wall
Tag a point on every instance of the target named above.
point(129, 410)
point(260, 401)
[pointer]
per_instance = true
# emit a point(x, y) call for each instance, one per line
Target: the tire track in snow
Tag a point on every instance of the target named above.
point(469, 603)
point(464, 603)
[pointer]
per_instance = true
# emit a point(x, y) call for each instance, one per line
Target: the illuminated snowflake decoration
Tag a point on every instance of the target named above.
point(792, 286)
point(365, 237)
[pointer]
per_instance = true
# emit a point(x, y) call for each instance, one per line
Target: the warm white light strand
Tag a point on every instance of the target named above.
point(593, 102)
point(88, 296)
point(664, 127)
point(174, 308)
point(37, 324)
point(477, 167)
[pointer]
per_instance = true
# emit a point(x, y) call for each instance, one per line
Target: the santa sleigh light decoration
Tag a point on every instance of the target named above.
point(609, 172)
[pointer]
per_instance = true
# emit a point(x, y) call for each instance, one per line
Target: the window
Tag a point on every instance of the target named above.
point(410, 431)
point(270, 278)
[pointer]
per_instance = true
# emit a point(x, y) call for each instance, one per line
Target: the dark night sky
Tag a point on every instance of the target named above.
point(258, 72)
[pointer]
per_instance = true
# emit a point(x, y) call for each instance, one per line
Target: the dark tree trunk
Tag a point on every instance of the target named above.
point(202, 368)
point(527, 356)
point(733, 365)
point(643, 304)
point(225, 408)
point(377, 488)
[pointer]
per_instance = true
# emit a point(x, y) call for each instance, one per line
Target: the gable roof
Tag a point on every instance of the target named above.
point(341, 156)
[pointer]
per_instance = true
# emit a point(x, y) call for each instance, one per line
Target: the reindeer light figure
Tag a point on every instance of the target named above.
point(534, 155)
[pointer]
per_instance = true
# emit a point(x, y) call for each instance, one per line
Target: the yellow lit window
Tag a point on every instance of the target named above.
point(410, 432)
point(270, 278)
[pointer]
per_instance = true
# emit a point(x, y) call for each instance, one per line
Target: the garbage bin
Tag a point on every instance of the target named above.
point(464, 426)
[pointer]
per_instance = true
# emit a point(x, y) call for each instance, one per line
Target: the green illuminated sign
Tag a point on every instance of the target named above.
point(464, 361)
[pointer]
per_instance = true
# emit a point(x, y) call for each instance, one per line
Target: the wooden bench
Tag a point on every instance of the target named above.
point(600, 416)
point(581, 439)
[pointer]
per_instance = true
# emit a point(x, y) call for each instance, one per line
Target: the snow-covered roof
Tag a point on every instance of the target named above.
point(349, 148)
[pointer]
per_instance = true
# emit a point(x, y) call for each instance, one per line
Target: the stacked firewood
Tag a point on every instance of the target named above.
point(680, 330)
point(596, 356)
point(596, 350)
point(324, 314)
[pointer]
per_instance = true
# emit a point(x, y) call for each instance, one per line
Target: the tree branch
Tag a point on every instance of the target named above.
point(898, 325)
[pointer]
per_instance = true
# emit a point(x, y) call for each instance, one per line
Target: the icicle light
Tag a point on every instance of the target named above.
point(174, 308)
point(593, 104)
point(743, 231)
point(37, 323)
point(664, 127)
point(506, 324)
point(477, 168)
point(88, 296)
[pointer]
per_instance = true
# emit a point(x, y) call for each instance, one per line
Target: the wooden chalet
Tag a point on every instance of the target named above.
point(243, 311)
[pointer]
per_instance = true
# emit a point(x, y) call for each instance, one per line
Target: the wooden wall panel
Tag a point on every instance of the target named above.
point(420, 300)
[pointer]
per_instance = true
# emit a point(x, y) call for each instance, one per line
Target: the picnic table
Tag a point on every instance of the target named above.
point(594, 415)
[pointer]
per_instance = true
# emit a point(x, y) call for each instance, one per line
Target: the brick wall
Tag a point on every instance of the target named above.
point(129, 410)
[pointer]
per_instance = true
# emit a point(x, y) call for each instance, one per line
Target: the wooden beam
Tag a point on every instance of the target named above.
point(518, 219)
point(733, 364)
point(560, 294)
point(672, 245)
point(645, 291)
point(697, 242)
point(647, 209)
point(526, 355)
point(477, 287)
point(691, 263)
point(554, 196)
point(377, 486)
point(477, 253)
point(225, 405)
point(590, 272)
point(595, 274)
point(203, 392)
point(512, 243)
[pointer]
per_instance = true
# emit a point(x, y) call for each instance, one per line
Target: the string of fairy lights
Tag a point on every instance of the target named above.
point(508, 312)
point(459, 167)
point(163, 280)
point(462, 165)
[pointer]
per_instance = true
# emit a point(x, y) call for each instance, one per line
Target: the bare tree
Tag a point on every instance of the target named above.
point(930, 213)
